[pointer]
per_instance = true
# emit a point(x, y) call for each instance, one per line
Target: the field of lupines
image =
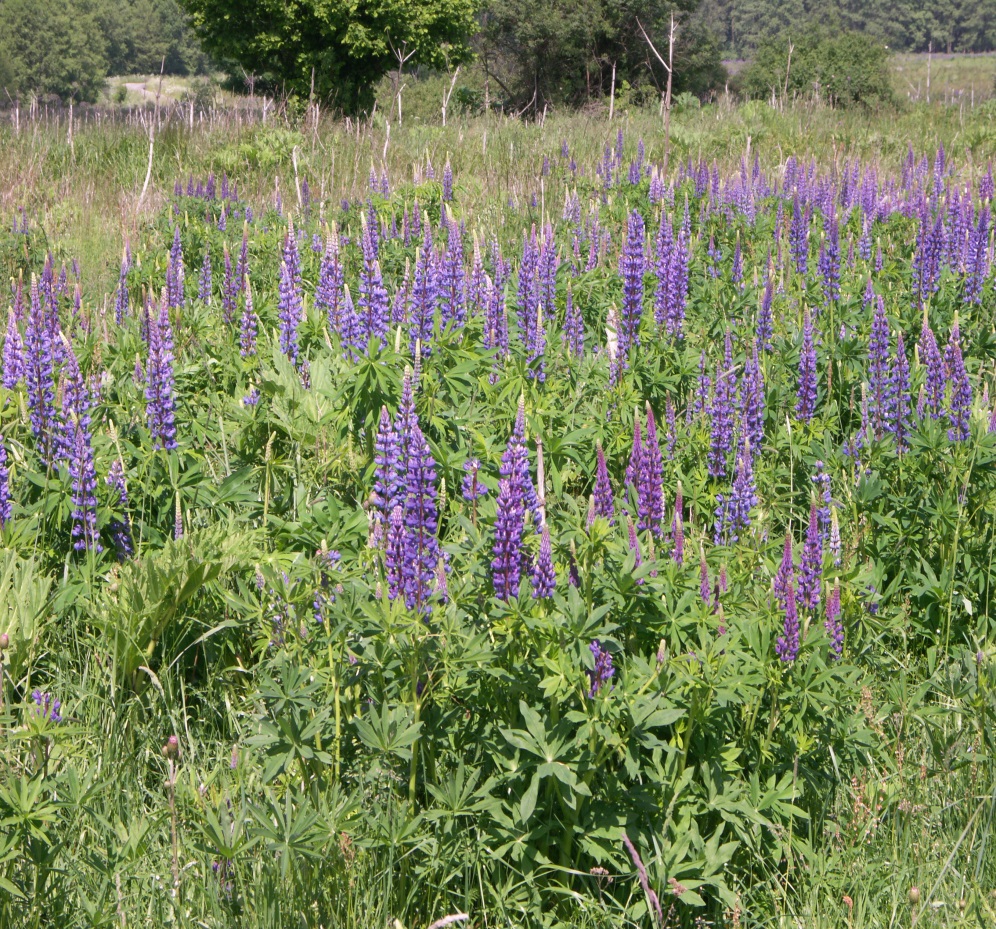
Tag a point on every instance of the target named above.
point(619, 552)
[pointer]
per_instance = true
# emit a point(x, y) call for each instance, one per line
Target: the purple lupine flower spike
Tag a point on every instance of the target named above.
point(473, 488)
point(506, 566)
point(765, 324)
point(832, 623)
point(544, 577)
point(159, 390)
point(960, 405)
point(387, 460)
point(705, 589)
point(785, 576)
point(515, 463)
point(811, 564)
point(421, 522)
point(900, 413)
point(39, 375)
point(678, 528)
point(119, 527)
point(84, 491)
point(6, 508)
point(635, 466)
point(787, 646)
point(806, 397)
point(204, 281)
point(48, 707)
point(289, 311)
point(601, 674)
point(634, 545)
point(879, 372)
point(631, 269)
point(175, 272)
point(249, 324)
point(13, 354)
point(650, 506)
point(753, 401)
point(936, 380)
point(603, 496)
point(573, 327)
point(394, 554)
point(372, 306)
point(721, 411)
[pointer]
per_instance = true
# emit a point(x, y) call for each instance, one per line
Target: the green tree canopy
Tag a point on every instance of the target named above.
point(52, 47)
point(348, 45)
point(564, 51)
point(845, 68)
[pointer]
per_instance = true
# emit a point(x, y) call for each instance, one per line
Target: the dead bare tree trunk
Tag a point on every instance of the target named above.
point(612, 93)
point(449, 93)
point(788, 68)
point(669, 67)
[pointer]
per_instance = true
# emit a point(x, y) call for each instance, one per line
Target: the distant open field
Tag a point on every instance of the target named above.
point(945, 78)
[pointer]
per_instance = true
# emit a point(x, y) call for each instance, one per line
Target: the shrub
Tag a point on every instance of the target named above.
point(846, 69)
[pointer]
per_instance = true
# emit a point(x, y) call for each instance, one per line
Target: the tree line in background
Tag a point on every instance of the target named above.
point(903, 25)
point(66, 48)
point(532, 55)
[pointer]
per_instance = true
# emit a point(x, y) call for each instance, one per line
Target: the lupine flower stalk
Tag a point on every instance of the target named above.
point(960, 404)
point(811, 564)
point(806, 397)
point(832, 623)
point(650, 506)
point(544, 579)
point(84, 491)
point(421, 522)
point(603, 496)
point(13, 354)
point(6, 509)
point(506, 565)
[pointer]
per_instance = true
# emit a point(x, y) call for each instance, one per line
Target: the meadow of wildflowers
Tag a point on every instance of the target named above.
point(620, 552)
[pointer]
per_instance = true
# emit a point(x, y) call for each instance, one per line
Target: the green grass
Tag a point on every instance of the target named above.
point(953, 79)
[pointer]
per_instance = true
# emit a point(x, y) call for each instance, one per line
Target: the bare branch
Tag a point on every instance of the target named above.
point(653, 48)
